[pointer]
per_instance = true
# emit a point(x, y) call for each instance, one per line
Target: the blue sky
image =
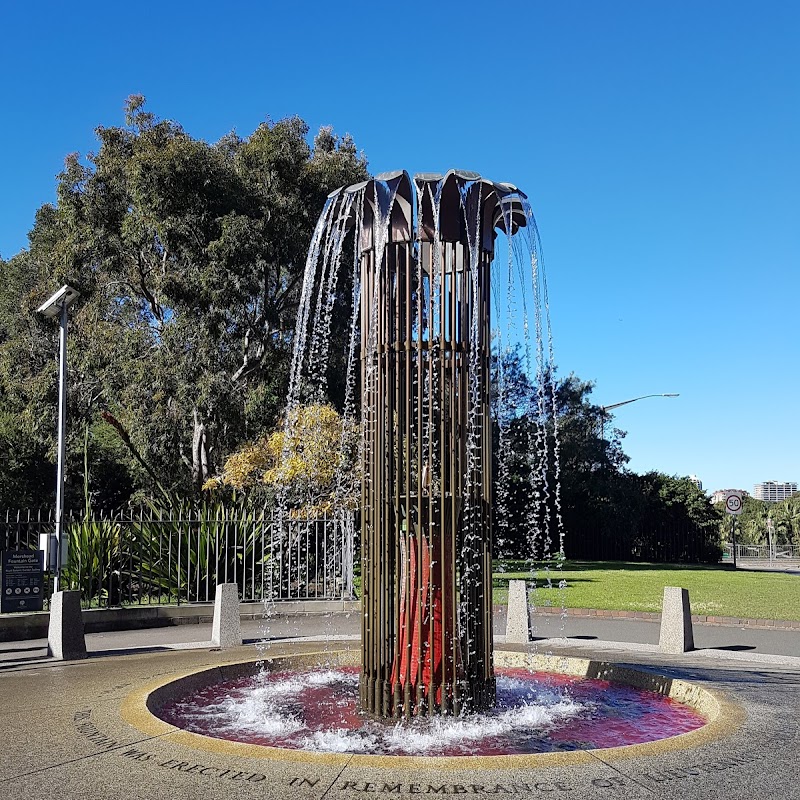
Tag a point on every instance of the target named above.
point(658, 142)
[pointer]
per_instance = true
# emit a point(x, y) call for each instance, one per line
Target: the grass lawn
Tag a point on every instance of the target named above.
point(621, 586)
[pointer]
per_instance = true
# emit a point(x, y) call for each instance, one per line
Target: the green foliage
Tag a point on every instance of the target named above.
point(756, 517)
point(181, 549)
point(189, 257)
point(167, 552)
point(670, 505)
point(27, 476)
point(786, 516)
point(93, 560)
point(608, 511)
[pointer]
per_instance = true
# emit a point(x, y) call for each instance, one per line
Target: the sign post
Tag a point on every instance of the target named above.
point(23, 581)
point(771, 539)
point(733, 506)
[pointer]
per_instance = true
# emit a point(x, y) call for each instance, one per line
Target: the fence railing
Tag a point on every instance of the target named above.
point(656, 540)
point(145, 558)
point(775, 553)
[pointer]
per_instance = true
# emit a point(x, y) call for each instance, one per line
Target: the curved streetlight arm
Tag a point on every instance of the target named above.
point(603, 409)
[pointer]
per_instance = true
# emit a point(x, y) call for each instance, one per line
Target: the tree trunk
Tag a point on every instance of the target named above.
point(199, 453)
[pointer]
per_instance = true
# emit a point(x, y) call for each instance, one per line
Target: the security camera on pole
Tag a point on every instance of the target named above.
point(733, 506)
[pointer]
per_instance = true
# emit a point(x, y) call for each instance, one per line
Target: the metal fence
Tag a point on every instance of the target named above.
point(657, 540)
point(149, 558)
point(773, 554)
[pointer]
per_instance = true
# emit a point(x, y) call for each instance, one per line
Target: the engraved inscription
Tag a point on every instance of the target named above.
point(609, 783)
point(194, 767)
point(380, 787)
point(700, 768)
point(87, 728)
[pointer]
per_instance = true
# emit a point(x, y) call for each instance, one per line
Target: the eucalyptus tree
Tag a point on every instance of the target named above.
point(189, 257)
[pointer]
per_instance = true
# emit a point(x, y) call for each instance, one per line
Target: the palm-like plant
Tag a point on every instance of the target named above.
point(787, 520)
point(182, 550)
point(93, 551)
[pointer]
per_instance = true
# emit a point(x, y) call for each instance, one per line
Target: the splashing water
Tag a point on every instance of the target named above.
point(536, 712)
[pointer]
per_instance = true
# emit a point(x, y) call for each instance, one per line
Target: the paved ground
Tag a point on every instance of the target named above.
point(790, 567)
point(68, 729)
point(580, 631)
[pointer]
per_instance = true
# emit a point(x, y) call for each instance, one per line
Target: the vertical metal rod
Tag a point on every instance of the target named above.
point(272, 558)
point(448, 533)
point(179, 576)
point(62, 441)
point(198, 522)
point(409, 362)
point(308, 538)
point(425, 557)
point(384, 450)
point(136, 538)
point(459, 426)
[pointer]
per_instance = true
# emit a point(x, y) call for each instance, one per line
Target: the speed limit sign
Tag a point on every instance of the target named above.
point(733, 502)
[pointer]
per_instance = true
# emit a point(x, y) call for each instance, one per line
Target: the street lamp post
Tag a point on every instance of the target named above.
point(57, 306)
point(605, 409)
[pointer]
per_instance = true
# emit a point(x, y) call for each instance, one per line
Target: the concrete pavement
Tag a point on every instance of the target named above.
point(549, 630)
point(81, 730)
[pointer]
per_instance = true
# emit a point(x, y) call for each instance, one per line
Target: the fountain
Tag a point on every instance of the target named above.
point(423, 296)
point(310, 720)
point(422, 291)
point(426, 496)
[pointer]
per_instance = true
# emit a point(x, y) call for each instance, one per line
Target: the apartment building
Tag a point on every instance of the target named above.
point(774, 491)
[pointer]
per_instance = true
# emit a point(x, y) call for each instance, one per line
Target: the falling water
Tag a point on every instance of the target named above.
point(522, 318)
point(323, 710)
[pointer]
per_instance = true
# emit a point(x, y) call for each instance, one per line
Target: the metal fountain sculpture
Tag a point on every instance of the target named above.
point(421, 271)
point(426, 325)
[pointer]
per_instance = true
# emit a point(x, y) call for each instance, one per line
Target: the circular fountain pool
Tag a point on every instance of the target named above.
point(315, 710)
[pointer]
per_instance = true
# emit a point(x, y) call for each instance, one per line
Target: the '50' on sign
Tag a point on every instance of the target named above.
point(733, 502)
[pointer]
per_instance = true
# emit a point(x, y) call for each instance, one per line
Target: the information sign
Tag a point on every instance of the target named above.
point(22, 585)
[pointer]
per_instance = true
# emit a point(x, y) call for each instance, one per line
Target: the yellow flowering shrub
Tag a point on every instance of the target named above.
point(311, 456)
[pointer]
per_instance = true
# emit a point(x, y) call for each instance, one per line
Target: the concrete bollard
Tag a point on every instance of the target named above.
point(518, 626)
point(226, 630)
point(65, 636)
point(676, 621)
